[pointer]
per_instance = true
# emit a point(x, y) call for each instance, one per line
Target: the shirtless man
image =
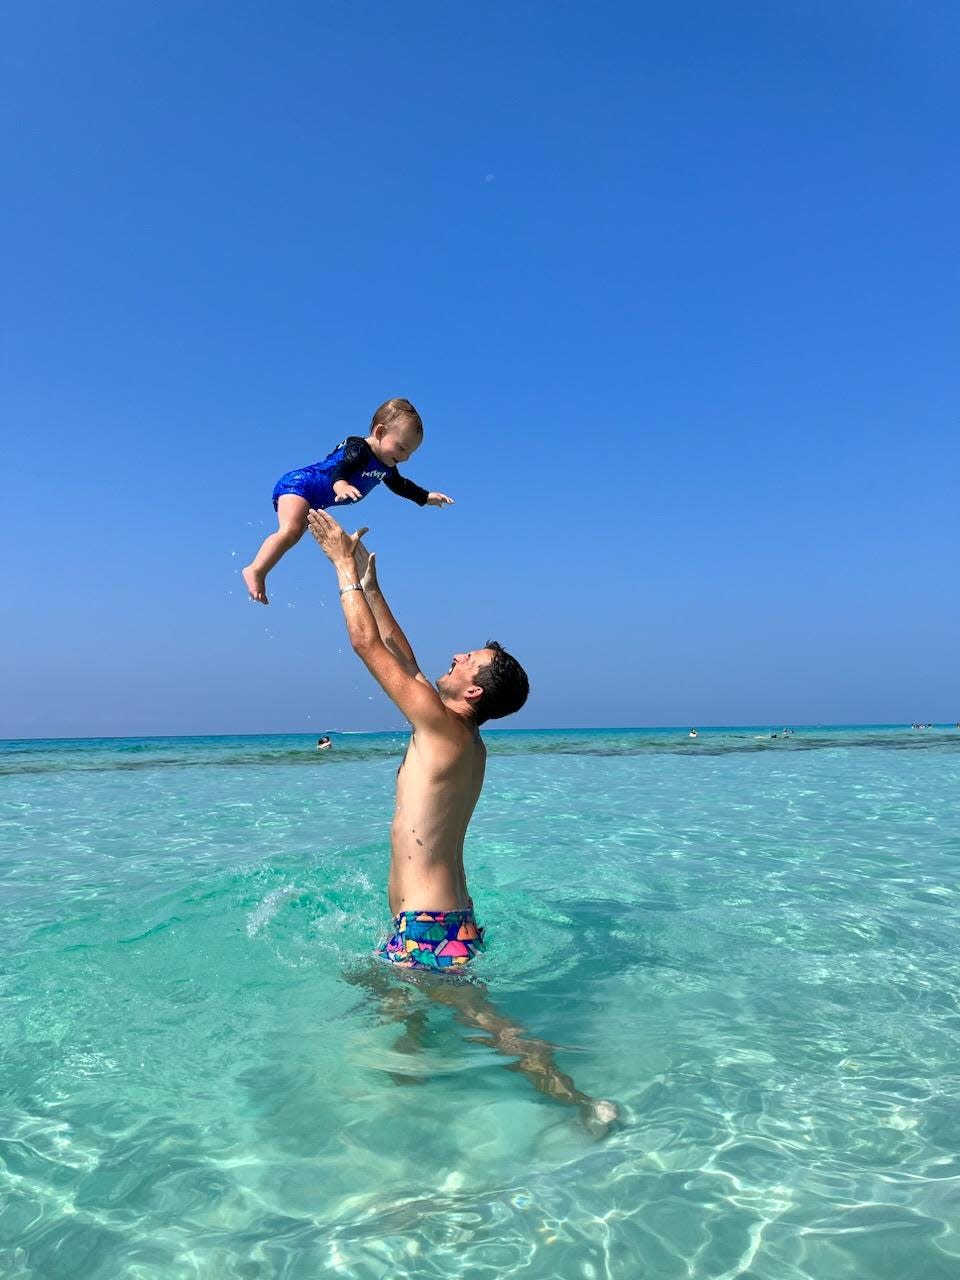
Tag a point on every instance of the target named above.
point(441, 777)
point(438, 785)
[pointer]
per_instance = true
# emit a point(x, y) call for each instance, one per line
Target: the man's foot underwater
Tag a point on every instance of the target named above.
point(599, 1116)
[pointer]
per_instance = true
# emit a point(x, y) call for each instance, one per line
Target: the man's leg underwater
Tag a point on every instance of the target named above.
point(473, 1009)
point(398, 1003)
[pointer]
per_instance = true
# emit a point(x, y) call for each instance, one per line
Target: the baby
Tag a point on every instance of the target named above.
point(346, 475)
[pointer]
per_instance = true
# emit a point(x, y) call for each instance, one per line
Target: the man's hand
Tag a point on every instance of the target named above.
point(346, 492)
point(439, 500)
point(366, 568)
point(336, 544)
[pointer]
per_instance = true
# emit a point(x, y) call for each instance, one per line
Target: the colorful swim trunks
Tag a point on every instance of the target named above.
point(435, 940)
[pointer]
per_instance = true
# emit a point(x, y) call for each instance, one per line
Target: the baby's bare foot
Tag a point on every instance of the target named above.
point(256, 584)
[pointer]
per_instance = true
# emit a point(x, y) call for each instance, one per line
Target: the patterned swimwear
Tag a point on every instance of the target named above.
point(435, 940)
point(352, 460)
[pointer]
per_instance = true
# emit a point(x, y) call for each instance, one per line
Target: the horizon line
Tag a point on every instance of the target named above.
point(638, 728)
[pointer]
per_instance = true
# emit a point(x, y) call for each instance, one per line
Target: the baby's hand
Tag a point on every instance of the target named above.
point(438, 500)
point(346, 492)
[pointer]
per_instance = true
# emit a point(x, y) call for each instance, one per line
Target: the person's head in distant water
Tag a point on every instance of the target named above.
point(396, 431)
point(488, 683)
point(323, 743)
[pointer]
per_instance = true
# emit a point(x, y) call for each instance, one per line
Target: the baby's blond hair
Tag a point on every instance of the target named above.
point(391, 410)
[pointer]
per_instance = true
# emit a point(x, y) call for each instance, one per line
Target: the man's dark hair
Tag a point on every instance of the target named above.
point(504, 683)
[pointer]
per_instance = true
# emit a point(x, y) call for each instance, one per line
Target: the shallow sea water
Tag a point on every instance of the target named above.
point(751, 944)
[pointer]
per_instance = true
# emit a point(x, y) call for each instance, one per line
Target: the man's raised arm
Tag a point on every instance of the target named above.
point(393, 667)
point(390, 630)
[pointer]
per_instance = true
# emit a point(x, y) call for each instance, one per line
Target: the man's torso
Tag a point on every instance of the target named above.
point(438, 786)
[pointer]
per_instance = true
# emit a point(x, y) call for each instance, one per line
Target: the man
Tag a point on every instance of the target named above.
point(438, 785)
point(441, 777)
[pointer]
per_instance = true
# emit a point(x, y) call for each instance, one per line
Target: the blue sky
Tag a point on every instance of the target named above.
point(673, 286)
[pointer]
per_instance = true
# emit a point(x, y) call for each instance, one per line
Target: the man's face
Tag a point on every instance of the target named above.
point(463, 672)
point(398, 443)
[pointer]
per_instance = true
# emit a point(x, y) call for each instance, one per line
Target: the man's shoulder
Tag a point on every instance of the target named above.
point(463, 738)
point(451, 731)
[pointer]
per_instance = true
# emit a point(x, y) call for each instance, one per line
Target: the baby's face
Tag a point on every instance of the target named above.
point(398, 443)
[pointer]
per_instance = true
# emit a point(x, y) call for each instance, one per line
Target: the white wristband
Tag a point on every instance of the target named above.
point(354, 586)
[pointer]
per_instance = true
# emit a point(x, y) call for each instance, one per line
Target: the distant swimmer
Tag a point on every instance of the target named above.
point(692, 733)
point(435, 936)
point(324, 744)
point(346, 475)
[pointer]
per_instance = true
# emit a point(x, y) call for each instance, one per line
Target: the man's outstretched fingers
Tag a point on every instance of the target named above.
point(322, 526)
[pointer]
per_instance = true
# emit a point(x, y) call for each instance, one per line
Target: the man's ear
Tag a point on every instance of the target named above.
point(472, 693)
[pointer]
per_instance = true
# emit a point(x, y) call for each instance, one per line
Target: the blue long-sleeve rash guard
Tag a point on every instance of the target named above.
point(352, 460)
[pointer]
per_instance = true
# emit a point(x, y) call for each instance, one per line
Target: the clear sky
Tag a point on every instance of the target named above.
point(674, 287)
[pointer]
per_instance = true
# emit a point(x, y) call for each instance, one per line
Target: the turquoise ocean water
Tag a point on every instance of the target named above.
point(752, 944)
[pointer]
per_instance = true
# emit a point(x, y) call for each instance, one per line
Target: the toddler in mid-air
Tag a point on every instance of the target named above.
point(344, 476)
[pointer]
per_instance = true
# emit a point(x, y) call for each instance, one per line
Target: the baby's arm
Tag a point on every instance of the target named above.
point(405, 488)
point(355, 455)
point(345, 491)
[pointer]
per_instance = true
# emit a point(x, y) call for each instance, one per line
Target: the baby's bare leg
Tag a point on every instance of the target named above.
point(292, 519)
